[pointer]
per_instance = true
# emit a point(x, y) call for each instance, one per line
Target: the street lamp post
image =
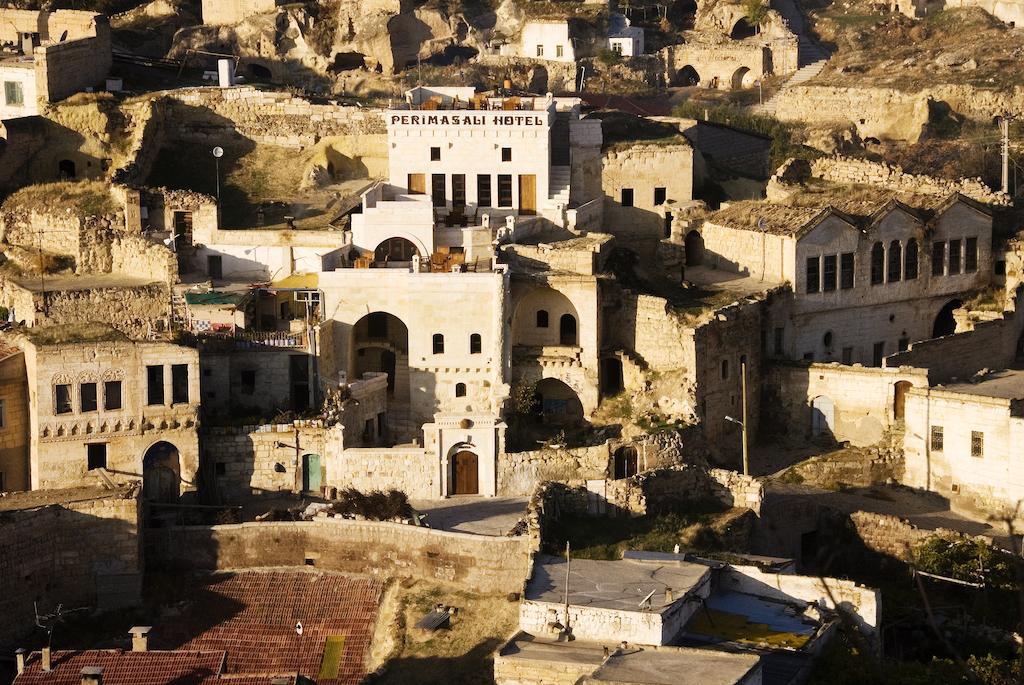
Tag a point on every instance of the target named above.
point(742, 423)
point(218, 152)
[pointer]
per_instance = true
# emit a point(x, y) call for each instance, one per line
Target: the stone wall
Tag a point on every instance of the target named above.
point(137, 311)
point(475, 563)
point(845, 170)
point(642, 168)
point(232, 12)
point(19, 139)
point(679, 486)
point(413, 470)
point(77, 553)
point(519, 473)
point(14, 467)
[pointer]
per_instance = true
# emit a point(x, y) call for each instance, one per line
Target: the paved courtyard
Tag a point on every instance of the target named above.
point(478, 515)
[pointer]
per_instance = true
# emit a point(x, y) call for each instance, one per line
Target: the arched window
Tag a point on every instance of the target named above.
point(438, 343)
point(895, 261)
point(474, 344)
point(460, 389)
point(542, 318)
point(567, 329)
point(910, 260)
point(877, 264)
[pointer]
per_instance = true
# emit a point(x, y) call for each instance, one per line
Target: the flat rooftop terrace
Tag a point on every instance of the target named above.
point(675, 666)
point(20, 501)
point(620, 585)
point(1007, 384)
point(73, 282)
point(530, 648)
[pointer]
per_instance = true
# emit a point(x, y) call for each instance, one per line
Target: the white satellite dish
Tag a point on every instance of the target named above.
point(298, 624)
point(218, 152)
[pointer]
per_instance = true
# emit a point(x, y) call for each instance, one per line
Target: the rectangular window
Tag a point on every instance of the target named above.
point(779, 334)
point(626, 199)
point(13, 94)
point(96, 456)
point(3, 419)
point(938, 258)
point(847, 355)
point(179, 384)
point(87, 397)
point(504, 190)
point(559, 51)
point(540, 51)
point(902, 344)
point(435, 154)
point(62, 399)
point(214, 267)
point(112, 395)
point(483, 190)
point(829, 272)
point(617, 48)
point(248, 378)
point(977, 444)
point(846, 271)
point(660, 195)
point(936, 438)
point(954, 257)
point(154, 385)
point(458, 190)
point(417, 184)
point(437, 190)
point(971, 255)
point(878, 354)
point(813, 275)
point(506, 154)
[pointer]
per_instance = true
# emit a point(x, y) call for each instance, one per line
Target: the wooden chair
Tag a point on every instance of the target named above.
point(430, 104)
point(510, 104)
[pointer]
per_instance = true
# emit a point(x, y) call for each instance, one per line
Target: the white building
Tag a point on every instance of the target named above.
point(548, 40)
point(623, 38)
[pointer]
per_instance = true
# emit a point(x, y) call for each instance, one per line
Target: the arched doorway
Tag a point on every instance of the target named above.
point(465, 473)
point(822, 416)
point(899, 400)
point(626, 463)
point(161, 473)
point(380, 344)
point(686, 77)
point(742, 78)
point(742, 29)
point(694, 247)
point(611, 376)
point(567, 329)
point(533, 321)
point(395, 250)
point(66, 170)
point(559, 405)
point(945, 324)
point(260, 72)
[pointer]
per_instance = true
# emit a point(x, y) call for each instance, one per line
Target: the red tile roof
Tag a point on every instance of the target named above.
point(126, 668)
point(252, 616)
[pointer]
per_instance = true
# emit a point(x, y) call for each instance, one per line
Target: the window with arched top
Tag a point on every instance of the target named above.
point(895, 261)
point(910, 260)
point(877, 263)
point(475, 344)
point(438, 343)
point(542, 318)
point(460, 389)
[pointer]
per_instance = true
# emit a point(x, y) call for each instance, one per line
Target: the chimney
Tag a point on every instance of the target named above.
point(46, 659)
point(19, 656)
point(92, 675)
point(140, 638)
point(668, 596)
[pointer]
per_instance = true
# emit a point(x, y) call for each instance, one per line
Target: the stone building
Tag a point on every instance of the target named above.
point(99, 403)
point(547, 40)
point(866, 280)
point(623, 38)
point(48, 56)
point(14, 435)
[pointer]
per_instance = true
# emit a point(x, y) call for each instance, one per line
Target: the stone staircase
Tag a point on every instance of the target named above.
point(558, 185)
point(811, 55)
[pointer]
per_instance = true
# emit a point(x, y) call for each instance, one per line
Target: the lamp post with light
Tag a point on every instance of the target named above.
point(218, 152)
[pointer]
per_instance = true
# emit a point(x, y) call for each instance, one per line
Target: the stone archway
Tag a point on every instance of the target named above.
point(742, 29)
point(694, 247)
point(395, 250)
point(161, 473)
point(686, 77)
point(535, 315)
point(558, 404)
point(741, 78)
point(380, 344)
point(66, 170)
point(945, 323)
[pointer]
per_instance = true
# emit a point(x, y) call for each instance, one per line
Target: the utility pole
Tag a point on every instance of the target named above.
point(1004, 131)
point(743, 406)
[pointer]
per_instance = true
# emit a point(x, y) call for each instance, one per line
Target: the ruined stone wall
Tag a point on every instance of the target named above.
point(73, 554)
point(224, 393)
point(644, 169)
point(644, 325)
point(476, 563)
point(65, 68)
point(845, 170)
point(257, 460)
point(234, 11)
point(669, 488)
point(412, 470)
point(991, 345)
point(137, 311)
point(519, 473)
point(208, 115)
point(19, 140)
point(863, 398)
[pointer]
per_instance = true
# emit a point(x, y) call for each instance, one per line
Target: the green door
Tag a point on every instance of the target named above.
point(311, 472)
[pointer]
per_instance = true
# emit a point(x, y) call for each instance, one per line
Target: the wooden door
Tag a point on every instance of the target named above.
point(900, 399)
point(527, 194)
point(417, 184)
point(311, 472)
point(466, 481)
